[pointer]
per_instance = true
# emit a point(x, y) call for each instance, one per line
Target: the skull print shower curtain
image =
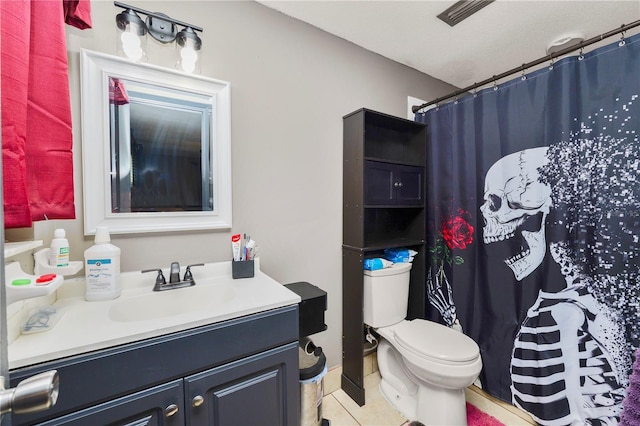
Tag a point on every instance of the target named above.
point(533, 232)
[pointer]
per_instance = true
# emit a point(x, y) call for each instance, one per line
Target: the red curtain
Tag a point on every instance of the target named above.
point(36, 112)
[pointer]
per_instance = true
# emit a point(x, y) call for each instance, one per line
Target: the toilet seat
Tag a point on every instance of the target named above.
point(436, 342)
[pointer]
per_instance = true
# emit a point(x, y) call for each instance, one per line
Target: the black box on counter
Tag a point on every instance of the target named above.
point(311, 308)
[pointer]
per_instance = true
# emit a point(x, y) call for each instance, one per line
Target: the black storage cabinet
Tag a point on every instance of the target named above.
point(384, 182)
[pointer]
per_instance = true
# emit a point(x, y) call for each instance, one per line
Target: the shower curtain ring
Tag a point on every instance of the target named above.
point(523, 77)
point(622, 41)
point(581, 56)
point(495, 84)
point(475, 90)
point(552, 61)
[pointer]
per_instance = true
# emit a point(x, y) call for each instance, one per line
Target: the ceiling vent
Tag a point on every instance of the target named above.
point(462, 10)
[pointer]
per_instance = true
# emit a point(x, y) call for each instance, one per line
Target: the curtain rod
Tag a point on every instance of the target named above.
point(523, 67)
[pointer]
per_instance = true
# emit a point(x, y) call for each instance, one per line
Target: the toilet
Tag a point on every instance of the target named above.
point(424, 366)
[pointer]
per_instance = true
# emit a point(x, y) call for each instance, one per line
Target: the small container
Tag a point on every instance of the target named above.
point(242, 269)
point(59, 250)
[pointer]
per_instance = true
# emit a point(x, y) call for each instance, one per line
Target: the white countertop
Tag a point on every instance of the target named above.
point(87, 326)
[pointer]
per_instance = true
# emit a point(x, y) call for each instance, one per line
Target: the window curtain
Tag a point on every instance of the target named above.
point(534, 232)
point(36, 114)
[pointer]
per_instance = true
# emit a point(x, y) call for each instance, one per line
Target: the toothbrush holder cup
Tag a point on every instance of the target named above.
point(242, 269)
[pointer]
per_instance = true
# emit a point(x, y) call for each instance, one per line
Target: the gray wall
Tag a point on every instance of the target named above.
point(291, 84)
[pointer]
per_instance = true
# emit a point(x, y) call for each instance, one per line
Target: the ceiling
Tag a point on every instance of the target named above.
point(501, 36)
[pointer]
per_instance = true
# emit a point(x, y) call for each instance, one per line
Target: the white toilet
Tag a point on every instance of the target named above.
point(425, 367)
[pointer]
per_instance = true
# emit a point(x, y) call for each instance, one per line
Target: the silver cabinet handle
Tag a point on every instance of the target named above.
point(400, 184)
point(396, 184)
point(171, 410)
point(37, 393)
point(197, 401)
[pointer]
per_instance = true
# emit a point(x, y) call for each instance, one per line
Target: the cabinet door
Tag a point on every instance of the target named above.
point(158, 406)
point(378, 183)
point(408, 183)
point(259, 390)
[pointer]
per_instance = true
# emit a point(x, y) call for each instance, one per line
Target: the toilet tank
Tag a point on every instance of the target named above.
point(386, 295)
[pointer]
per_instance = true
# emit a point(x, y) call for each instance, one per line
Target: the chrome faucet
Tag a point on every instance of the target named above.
point(174, 277)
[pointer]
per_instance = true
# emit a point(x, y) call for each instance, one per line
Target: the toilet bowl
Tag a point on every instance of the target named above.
point(424, 366)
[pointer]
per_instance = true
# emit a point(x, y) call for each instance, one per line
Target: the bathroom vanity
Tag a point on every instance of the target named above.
point(221, 352)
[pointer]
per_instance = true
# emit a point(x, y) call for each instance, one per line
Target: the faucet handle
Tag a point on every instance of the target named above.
point(160, 280)
point(187, 274)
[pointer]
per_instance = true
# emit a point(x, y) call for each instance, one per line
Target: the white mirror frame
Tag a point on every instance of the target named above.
point(96, 68)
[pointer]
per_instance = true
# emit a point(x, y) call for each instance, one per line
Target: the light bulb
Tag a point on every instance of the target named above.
point(188, 60)
point(131, 46)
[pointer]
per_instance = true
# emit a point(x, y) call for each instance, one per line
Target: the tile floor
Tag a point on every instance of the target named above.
point(341, 410)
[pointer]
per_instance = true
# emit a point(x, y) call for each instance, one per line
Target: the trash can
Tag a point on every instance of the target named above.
point(313, 363)
point(313, 367)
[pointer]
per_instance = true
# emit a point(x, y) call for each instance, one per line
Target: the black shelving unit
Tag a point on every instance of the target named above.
point(383, 207)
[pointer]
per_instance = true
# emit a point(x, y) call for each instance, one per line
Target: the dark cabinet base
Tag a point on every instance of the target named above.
point(250, 361)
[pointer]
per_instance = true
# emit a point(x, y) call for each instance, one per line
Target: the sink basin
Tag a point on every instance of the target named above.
point(168, 303)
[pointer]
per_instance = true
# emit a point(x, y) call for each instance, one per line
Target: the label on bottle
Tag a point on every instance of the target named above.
point(59, 257)
point(99, 275)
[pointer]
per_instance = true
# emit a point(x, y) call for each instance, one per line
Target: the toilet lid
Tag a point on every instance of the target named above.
point(433, 340)
point(395, 269)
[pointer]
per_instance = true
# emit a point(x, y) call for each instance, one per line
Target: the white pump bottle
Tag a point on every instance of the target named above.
point(102, 268)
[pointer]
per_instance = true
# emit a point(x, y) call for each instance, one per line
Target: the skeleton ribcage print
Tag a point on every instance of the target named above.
point(561, 374)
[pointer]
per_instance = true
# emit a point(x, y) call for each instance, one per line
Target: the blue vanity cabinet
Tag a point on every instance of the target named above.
point(239, 371)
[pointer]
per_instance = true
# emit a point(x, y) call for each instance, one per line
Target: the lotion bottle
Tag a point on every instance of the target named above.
point(102, 268)
point(59, 250)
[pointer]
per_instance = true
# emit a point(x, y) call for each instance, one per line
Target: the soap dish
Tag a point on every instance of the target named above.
point(42, 265)
point(43, 318)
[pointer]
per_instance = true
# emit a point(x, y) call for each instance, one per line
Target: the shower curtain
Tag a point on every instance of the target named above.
point(533, 232)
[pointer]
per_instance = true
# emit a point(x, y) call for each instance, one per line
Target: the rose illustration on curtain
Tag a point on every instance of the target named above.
point(456, 233)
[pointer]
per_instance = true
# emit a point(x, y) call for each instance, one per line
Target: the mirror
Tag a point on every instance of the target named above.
point(159, 149)
point(156, 148)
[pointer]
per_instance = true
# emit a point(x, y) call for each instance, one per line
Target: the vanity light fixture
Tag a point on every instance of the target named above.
point(160, 27)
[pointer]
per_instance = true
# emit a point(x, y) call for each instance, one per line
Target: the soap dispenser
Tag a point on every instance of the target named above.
point(102, 268)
